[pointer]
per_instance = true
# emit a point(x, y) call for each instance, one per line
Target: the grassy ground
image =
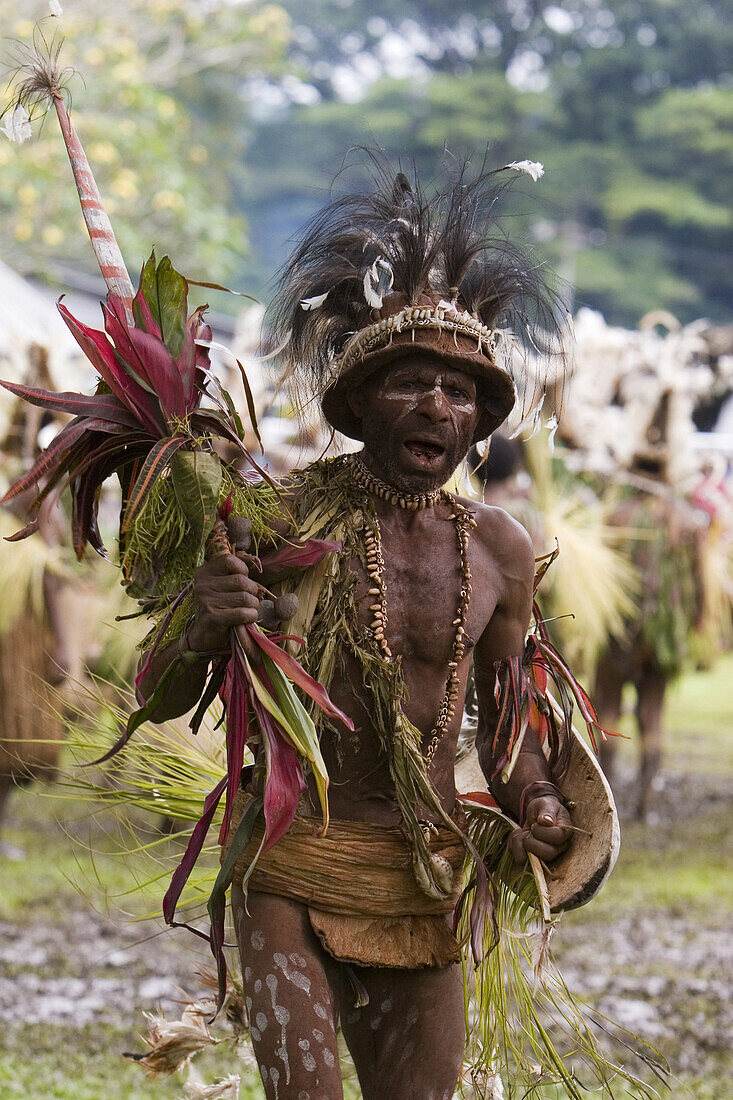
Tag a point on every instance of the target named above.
point(652, 940)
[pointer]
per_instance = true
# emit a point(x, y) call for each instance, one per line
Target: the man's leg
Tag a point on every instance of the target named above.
point(291, 992)
point(609, 686)
point(408, 1043)
point(649, 711)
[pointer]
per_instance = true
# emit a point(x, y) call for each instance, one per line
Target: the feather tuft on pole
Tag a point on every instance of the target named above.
point(38, 83)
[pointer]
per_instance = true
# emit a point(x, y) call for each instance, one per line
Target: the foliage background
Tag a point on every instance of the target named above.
point(216, 127)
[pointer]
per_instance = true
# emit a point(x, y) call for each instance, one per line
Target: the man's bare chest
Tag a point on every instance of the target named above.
point(422, 588)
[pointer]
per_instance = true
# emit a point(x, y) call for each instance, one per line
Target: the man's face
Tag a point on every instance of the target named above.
point(418, 420)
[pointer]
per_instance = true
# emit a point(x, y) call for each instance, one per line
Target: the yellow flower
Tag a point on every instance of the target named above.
point(128, 72)
point(166, 107)
point(124, 185)
point(94, 56)
point(27, 194)
point(197, 154)
point(125, 46)
point(23, 231)
point(52, 235)
point(168, 200)
point(103, 152)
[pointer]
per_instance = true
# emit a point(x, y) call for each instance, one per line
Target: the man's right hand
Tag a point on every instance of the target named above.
point(225, 598)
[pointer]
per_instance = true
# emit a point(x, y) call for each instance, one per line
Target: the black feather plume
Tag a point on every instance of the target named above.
point(448, 244)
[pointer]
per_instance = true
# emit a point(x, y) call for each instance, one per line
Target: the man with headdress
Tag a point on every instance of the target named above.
point(391, 307)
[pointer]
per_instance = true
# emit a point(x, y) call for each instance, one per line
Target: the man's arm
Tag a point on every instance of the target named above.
point(225, 597)
point(546, 821)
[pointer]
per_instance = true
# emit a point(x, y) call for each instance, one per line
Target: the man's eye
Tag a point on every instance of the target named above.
point(454, 391)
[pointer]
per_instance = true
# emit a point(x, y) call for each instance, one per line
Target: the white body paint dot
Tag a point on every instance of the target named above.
point(309, 1061)
point(257, 940)
point(320, 1011)
point(328, 1057)
point(261, 1021)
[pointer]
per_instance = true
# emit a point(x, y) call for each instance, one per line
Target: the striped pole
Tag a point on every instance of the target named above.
point(97, 221)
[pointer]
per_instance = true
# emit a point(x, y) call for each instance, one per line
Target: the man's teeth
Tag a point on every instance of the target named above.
point(424, 450)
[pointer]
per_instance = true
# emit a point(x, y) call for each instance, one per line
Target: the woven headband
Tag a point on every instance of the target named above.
point(444, 317)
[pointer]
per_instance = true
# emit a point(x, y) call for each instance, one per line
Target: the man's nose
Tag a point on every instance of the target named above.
point(434, 405)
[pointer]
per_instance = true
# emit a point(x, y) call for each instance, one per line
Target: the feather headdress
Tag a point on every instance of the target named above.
point(396, 259)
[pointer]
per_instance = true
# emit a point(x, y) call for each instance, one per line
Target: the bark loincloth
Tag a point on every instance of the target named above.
point(357, 882)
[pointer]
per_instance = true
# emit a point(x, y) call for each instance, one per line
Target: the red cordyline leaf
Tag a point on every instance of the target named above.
point(235, 692)
point(295, 672)
point(225, 508)
point(142, 313)
point(193, 851)
point(284, 782)
point(18, 536)
point(299, 555)
point(186, 367)
point(104, 406)
point(101, 355)
point(155, 462)
point(164, 375)
point(210, 421)
point(53, 454)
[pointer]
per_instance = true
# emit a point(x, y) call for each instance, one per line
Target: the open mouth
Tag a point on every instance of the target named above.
point(425, 451)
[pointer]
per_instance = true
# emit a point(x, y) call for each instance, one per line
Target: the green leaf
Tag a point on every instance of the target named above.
point(196, 478)
point(300, 722)
point(166, 293)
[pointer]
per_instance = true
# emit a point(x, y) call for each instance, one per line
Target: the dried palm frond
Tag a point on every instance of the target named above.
point(591, 590)
point(22, 574)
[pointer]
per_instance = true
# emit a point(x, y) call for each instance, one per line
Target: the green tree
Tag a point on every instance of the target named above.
point(149, 78)
point(628, 106)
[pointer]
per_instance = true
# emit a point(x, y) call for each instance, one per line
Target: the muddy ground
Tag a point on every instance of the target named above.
point(71, 977)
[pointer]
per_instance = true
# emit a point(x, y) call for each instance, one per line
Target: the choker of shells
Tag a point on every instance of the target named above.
point(411, 502)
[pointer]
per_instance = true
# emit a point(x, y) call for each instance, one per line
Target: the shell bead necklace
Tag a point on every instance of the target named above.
point(465, 522)
point(412, 502)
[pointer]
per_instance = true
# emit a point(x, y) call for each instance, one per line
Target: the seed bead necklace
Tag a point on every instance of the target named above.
point(465, 522)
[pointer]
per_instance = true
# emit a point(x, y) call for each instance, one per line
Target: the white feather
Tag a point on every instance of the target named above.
point(552, 426)
point(18, 126)
point(314, 302)
point(55, 8)
point(378, 281)
point(532, 168)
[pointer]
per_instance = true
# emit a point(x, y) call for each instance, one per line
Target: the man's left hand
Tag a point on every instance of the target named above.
point(546, 833)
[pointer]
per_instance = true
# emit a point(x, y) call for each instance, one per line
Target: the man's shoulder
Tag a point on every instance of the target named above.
point(503, 537)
